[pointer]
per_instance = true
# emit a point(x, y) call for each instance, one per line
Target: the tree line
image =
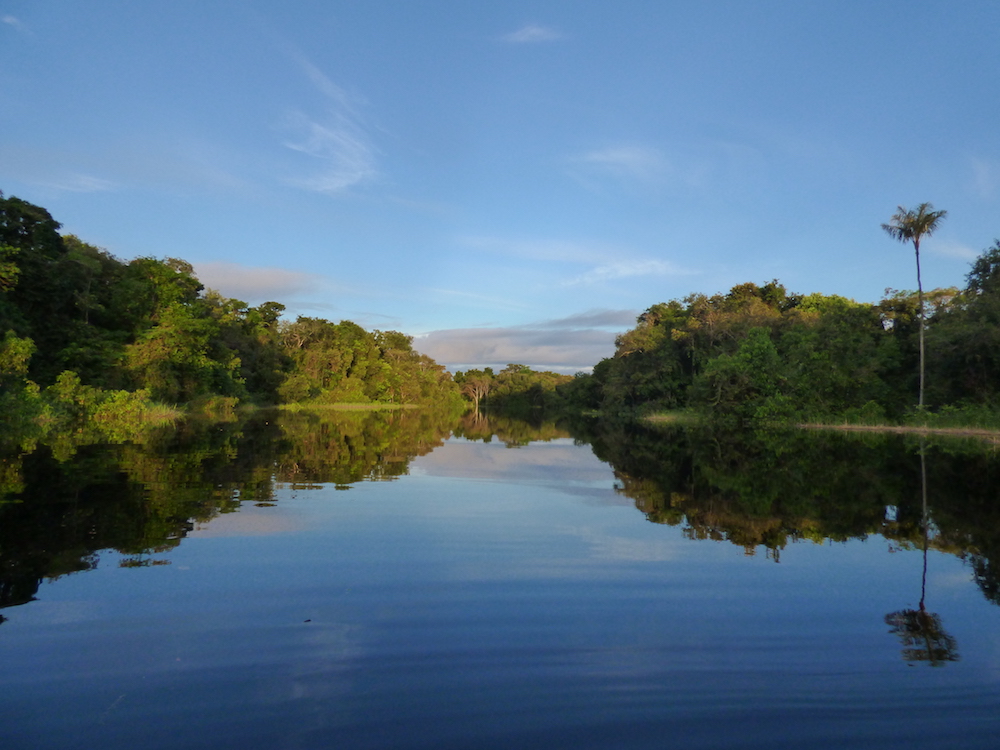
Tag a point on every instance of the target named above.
point(79, 326)
point(83, 333)
point(761, 353)
point(517, 390)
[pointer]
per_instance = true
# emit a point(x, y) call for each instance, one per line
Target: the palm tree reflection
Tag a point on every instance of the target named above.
point(920, 632)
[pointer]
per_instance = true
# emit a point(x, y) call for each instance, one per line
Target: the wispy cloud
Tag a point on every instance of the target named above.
point(486, 300)
point(338, 140)
point(544, 249)
point(984, 178)
point(624, 162)
point(607, 262)
point(327, 87)
point(701, 165)
point(626, 269)
point(532, 34)
point(78, 183)
point(12, 21)
point(951, 249)
point(346, 154)
point(254, 284)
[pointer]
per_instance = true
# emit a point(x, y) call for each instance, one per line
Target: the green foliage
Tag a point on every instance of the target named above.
point(756, 353)
point(741, 383)
point(964, 339)
point(516, 390)
point(343, 363)
point(15, 353)
point(9, 270)
point(759, 353)
point(149, 325)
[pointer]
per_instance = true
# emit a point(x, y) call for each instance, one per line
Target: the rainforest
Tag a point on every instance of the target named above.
point(90, 338)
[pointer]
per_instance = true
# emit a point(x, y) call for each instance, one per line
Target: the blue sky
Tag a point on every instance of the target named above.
point(508, 182)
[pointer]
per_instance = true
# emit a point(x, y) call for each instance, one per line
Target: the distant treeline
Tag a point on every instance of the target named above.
point(516, 390)
point(78, 324)
point(759, 353)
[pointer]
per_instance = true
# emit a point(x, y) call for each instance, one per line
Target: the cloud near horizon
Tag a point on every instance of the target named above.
point(254, 284)
point(567, 345)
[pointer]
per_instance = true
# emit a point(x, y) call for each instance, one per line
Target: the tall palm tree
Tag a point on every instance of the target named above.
point(909, 225)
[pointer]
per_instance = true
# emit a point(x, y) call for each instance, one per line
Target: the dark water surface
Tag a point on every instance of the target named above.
point(397, 581)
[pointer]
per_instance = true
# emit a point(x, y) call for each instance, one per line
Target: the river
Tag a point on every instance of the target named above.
point(406, 580)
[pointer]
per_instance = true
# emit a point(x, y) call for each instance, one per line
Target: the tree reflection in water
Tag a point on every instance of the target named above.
point(763, 490)
point(923, 636)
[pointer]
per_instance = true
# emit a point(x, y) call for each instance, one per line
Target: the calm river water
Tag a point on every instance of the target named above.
point(396, 580)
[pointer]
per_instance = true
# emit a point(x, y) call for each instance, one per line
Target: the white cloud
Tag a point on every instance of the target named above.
point(532, 33)
point(254, 284)
point(625, 269)
point(628, 162)
point(607, 262)
point(699, 165)
point(78, 183)
point(347, 156)
point(567, 345)
point(327, 87)
point(984, 178)
point(338, 140)
point(951, 249)
point(11, 21)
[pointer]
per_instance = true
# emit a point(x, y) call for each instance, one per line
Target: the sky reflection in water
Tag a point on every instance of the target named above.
point(493, 596)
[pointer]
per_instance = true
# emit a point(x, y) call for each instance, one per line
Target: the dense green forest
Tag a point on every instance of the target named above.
point(760, 353)
point(88, 335)
point(85, 334)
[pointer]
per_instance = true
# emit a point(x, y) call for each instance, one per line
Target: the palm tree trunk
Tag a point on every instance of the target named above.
point(920, 312)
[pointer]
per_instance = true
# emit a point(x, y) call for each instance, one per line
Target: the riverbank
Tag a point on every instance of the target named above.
point(971, 432)
point(307, 406)
point(967, 431)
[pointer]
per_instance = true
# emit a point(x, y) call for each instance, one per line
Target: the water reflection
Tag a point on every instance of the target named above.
point(496, 596)
point(761, 491)
point(765, 490)
point(923, 636)
point(63, 505)
point(511, 432)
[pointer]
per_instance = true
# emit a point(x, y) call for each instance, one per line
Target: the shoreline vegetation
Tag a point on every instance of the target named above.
point(684, 419)
point(964, 432)
point(89, 342)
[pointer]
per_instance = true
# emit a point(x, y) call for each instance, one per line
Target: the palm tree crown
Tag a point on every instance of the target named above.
point(909, 225)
